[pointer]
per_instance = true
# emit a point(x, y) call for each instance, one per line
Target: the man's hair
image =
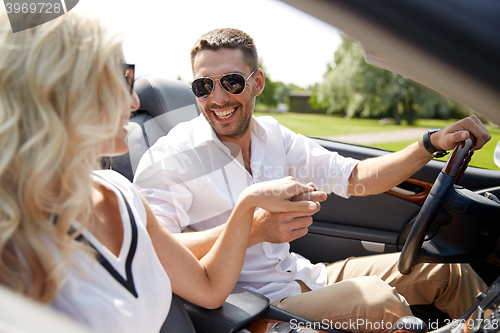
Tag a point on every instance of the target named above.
point(227, 38)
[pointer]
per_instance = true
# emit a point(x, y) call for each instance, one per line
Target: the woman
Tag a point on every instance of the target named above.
point(63, 103)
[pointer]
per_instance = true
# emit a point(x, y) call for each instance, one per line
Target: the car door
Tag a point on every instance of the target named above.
point(379, 223)
point(450, 46)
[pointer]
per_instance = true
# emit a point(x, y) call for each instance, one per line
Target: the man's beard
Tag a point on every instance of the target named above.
point(241, 129)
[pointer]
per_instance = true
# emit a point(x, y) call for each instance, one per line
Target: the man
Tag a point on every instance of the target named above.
point(192, 176)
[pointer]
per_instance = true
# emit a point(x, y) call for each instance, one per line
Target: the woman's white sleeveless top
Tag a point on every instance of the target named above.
point(128, 293)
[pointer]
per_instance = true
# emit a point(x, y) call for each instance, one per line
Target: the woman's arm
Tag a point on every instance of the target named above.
point(272, 227)
point(209, 281)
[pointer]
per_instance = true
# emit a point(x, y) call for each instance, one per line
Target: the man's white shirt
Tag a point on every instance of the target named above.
point(192, 182)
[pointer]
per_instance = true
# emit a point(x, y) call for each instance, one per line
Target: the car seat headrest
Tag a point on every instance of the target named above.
point(159, 96)
point(164, 104)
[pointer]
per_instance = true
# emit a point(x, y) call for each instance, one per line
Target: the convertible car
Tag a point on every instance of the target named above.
point(445, 212)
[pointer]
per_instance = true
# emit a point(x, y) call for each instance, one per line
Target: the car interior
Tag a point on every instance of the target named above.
point(451, 46)
point(382, 223)
point(364, 225)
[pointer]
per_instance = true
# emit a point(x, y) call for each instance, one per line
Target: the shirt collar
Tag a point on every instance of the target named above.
point(258, 130)
point(204, 132)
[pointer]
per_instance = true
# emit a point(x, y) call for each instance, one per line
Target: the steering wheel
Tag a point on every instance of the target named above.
point(441, 190)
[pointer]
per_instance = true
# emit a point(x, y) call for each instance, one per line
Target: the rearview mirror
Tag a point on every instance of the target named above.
point(496, 155)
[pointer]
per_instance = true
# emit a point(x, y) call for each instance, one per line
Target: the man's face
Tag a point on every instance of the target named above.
point(229, 115)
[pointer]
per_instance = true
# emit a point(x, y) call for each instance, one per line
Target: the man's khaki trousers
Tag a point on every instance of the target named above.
point(368, 294)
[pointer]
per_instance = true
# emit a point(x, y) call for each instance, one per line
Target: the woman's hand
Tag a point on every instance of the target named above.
point(276, 196)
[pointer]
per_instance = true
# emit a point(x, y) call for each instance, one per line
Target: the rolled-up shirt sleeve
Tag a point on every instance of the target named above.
point(309, 162)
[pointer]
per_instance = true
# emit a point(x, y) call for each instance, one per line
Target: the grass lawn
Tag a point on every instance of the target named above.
point(327, 125)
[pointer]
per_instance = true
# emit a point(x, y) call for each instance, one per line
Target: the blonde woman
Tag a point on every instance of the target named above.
point(85, 242)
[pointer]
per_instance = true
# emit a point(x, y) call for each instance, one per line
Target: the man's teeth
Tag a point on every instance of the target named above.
point(225, 113)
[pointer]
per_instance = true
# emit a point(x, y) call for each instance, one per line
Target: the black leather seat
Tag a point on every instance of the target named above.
point(178, 319)
point(164, 104)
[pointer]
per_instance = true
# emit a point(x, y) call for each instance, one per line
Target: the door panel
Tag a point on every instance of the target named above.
point(330, 249)
point(382, 212)
point(356, 226)
point(379, 223)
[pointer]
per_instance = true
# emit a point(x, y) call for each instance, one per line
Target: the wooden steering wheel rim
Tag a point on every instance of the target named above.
point(459, 159)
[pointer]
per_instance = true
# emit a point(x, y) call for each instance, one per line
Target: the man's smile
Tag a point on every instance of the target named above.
point(224, 114)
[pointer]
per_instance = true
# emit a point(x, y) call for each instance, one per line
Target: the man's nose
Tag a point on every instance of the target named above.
point(219, 96)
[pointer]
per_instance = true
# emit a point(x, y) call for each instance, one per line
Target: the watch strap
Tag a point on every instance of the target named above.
point(426, 140)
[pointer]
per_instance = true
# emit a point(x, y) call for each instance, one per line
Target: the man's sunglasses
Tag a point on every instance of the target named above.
point(233, 83)
point(129, 76)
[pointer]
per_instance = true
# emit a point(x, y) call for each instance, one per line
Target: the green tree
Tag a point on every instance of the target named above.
point(281, 92)
point(268, 95)
point(314, 102)
point(356, 89)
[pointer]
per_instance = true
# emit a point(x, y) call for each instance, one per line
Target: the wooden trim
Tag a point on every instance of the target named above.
point(415, 198)
point(459, 159)
point(262, 325)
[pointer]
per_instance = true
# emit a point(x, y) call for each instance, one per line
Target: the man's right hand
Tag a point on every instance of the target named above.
point(284, 227)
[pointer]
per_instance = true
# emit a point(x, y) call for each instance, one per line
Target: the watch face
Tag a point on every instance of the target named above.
point(434, 130)
point(439, 154)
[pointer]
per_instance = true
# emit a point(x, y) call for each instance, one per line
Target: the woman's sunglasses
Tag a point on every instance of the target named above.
point(233, 83)
point(129, 76)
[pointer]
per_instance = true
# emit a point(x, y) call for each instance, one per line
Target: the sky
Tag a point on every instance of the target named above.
point(158, 35)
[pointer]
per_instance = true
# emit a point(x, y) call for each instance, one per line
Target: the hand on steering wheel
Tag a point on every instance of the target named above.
point(451, 173)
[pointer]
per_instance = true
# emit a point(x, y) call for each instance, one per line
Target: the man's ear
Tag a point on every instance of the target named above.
point(259, 82)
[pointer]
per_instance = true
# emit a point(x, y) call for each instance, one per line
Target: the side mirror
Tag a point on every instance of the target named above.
point(496, 155)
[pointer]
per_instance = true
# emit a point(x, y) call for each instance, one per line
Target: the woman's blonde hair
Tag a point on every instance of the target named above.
point(62, 92)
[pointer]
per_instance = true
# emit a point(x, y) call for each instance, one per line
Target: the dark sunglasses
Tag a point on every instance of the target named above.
point(233, 83)
point(129, 76)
